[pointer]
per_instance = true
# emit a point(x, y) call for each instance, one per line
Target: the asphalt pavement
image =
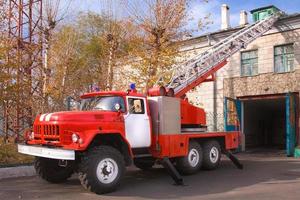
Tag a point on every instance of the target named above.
point(265, 176)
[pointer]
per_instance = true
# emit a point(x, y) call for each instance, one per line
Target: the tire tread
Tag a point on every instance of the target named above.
point(85, 170)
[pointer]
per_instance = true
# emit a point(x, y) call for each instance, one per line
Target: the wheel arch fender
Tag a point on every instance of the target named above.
point(116, 140)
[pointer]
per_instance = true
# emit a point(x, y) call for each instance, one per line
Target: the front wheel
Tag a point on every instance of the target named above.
point(50, 170)
point(101, 170)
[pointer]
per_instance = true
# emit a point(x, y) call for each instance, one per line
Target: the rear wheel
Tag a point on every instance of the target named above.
point(211, 154)
point(191, 163)
point(101, 170)
point(51, 171)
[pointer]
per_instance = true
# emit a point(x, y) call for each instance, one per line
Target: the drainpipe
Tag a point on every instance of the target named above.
point(215, 111)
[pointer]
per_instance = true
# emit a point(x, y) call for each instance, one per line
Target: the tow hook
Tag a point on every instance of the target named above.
point(63, 163)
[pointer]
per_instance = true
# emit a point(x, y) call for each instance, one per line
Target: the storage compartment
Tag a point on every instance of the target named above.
point(192, 117)
point(165, 114)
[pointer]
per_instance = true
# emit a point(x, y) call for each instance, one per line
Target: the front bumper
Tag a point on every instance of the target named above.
point(54, 153)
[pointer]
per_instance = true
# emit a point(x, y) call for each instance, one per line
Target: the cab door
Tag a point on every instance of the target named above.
point(137, 123)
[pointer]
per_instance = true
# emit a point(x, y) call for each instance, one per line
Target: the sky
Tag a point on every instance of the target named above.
point(198, 9)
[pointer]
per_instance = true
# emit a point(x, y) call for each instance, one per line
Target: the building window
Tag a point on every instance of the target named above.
point(249, 63)
point(284, 58)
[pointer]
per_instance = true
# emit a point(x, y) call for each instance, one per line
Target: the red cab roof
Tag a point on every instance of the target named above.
point(115, 93)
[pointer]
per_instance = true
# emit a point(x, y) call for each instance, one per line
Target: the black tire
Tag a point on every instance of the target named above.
point(211, 155)
point(184, 164)
point(49, 170)
point(144, 163)
point(91, 163)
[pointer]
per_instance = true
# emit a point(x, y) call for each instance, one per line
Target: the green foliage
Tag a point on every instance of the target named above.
point(9, 154)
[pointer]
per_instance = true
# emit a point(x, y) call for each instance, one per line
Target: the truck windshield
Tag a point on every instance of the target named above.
point(106, 103)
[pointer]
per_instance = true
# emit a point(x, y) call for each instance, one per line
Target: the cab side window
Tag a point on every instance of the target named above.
point(136, 106)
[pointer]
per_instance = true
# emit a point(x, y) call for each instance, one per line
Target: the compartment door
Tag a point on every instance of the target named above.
point(232, 114)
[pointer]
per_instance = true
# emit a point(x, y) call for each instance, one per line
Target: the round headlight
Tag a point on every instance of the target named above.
point(75, 138)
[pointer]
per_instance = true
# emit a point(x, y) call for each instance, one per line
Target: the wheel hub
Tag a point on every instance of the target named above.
point(107, 170)
point(214, 154)
point(193, 157)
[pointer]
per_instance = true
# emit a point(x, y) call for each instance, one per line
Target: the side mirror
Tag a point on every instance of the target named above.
point(117, 107)
point(78, 105)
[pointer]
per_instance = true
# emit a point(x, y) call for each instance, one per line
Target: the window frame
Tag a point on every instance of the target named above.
point(143, 105)
point(274, 57)
point(123, 110)
point(241, 64)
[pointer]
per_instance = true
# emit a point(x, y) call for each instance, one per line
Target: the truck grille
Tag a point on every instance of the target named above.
point(51, 130)
point(48, 132)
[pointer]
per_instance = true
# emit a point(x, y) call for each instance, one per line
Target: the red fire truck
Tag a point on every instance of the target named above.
point(114, 129)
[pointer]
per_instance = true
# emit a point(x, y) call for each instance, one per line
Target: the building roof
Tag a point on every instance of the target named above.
point(233, 29)
point(263, 8)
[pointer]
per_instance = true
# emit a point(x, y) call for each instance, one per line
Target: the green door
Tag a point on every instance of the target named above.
point(290, 123)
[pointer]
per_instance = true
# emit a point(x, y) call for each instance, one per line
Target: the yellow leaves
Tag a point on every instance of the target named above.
point(142, 48)
point(161, 25)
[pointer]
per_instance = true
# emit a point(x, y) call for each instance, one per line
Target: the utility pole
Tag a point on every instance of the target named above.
point(24, 21)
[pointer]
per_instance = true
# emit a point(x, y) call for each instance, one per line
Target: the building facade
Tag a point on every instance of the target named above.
point(264, 78)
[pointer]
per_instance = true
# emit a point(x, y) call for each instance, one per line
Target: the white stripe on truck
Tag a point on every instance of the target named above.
point(42, 117)
point(47, 118)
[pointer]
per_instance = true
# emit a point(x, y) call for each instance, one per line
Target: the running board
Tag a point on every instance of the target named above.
point(234, 159)
point(143, 156)
point(172, 171)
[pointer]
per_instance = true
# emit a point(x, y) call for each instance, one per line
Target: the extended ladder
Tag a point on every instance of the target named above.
point(191, 73)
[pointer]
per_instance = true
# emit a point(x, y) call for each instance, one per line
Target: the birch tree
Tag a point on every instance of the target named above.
point(54, 12)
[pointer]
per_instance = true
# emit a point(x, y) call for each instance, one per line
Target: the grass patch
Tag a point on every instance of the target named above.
point(9, 154)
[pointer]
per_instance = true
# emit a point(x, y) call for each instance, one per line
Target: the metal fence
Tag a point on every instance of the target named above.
point(215, 121)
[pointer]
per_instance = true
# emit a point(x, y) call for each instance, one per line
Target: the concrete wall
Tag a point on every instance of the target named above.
point(263, 84)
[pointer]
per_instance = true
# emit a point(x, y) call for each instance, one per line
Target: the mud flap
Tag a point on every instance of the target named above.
point(172, 171)
point(233, 159)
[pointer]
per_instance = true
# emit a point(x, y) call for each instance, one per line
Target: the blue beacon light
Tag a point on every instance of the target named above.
point(132, 86)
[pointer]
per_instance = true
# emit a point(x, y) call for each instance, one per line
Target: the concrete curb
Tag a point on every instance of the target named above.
point(13, 172)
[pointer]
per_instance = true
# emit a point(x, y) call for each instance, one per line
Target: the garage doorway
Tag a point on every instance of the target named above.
point(264, 123)
point(269, 122)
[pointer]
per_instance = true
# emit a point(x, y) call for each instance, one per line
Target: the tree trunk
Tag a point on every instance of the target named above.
point(46, 72)
point(111, 63)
